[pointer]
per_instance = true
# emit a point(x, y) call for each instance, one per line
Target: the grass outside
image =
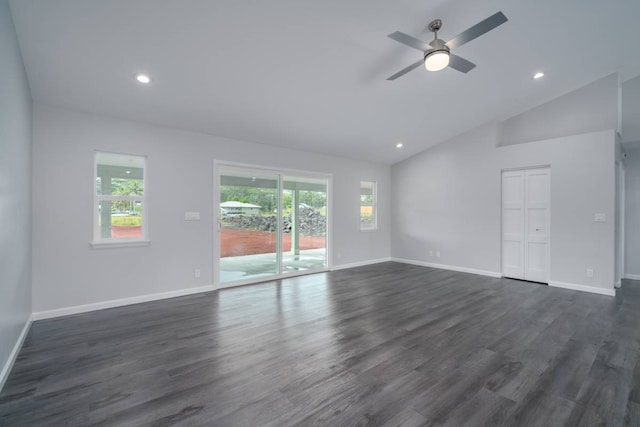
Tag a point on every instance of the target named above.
point(126, 221)
point(125, 226)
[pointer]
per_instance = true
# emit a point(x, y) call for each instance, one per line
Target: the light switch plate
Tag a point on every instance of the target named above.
point(192, 216)
point(600, 217)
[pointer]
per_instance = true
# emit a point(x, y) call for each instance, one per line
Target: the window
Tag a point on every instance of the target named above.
point(368, 206)
point(119, 215)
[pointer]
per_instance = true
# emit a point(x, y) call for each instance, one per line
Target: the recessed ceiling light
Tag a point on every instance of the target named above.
point(399, 145)
point(538, 75)
point(143, 78)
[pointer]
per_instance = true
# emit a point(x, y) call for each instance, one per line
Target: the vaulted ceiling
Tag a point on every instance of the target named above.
point(311, 75)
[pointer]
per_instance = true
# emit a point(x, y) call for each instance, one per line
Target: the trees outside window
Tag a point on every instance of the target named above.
point(368, 208)
point(119, 198)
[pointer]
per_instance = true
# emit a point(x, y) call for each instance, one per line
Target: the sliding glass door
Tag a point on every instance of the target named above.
point(270, 224)
point(304, 234)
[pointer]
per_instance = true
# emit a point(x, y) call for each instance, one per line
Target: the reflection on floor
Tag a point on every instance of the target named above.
point(251, 266)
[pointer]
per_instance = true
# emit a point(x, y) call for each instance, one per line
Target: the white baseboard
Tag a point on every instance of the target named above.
point(573, 286)
point(359, 264)
point(6, 369)
point(631, 276)
point(65, 311)
point(584, 288)
point(449, 267)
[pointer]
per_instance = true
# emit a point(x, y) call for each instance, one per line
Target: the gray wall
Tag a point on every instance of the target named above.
point(67, 272)
point(631, 110)
point(447, 199)
point(632, 211)
point(15, 190)
point(591, 108)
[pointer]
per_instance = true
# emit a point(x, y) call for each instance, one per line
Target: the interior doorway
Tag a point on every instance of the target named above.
point(270, 224)
point(620, 222)
point(526, 224)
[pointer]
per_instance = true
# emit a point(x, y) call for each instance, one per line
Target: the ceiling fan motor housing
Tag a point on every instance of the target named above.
point(438, 45)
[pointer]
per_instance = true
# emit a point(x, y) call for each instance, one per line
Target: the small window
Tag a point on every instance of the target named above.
point(120, 207)
point(368, 202)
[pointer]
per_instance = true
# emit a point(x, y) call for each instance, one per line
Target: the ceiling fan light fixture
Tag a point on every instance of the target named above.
point(436, 60)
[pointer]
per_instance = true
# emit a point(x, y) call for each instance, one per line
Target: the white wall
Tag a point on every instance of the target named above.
point(67, 272)
point(591, 108)
point(632, 211)
point(447, 199)
point(15, 193)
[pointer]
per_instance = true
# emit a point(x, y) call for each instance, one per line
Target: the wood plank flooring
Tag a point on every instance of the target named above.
point(382, 345)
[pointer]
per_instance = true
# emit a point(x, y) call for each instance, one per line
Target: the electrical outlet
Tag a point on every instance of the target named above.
point(430, 253)
point(196, 273)
point(589, 271)
point(438, 254)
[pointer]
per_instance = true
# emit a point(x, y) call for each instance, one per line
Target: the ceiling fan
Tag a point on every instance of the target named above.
point(436, 54)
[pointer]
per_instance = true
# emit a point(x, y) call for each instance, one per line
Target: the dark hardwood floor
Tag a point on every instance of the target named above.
point(384, 345)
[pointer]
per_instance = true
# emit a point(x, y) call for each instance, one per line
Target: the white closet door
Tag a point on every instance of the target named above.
point(513, 264)
point(525, 224)
point(536, 253)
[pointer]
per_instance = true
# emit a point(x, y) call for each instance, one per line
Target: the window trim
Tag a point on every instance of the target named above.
point(99, 242)
point(374, 206)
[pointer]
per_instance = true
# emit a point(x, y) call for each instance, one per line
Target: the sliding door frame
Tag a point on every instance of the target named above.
point(281, 173)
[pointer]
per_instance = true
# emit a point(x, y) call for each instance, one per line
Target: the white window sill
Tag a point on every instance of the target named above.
point(368, 230)
point(119, 244)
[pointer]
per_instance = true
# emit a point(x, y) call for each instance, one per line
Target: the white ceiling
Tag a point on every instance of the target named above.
point(311, 74)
